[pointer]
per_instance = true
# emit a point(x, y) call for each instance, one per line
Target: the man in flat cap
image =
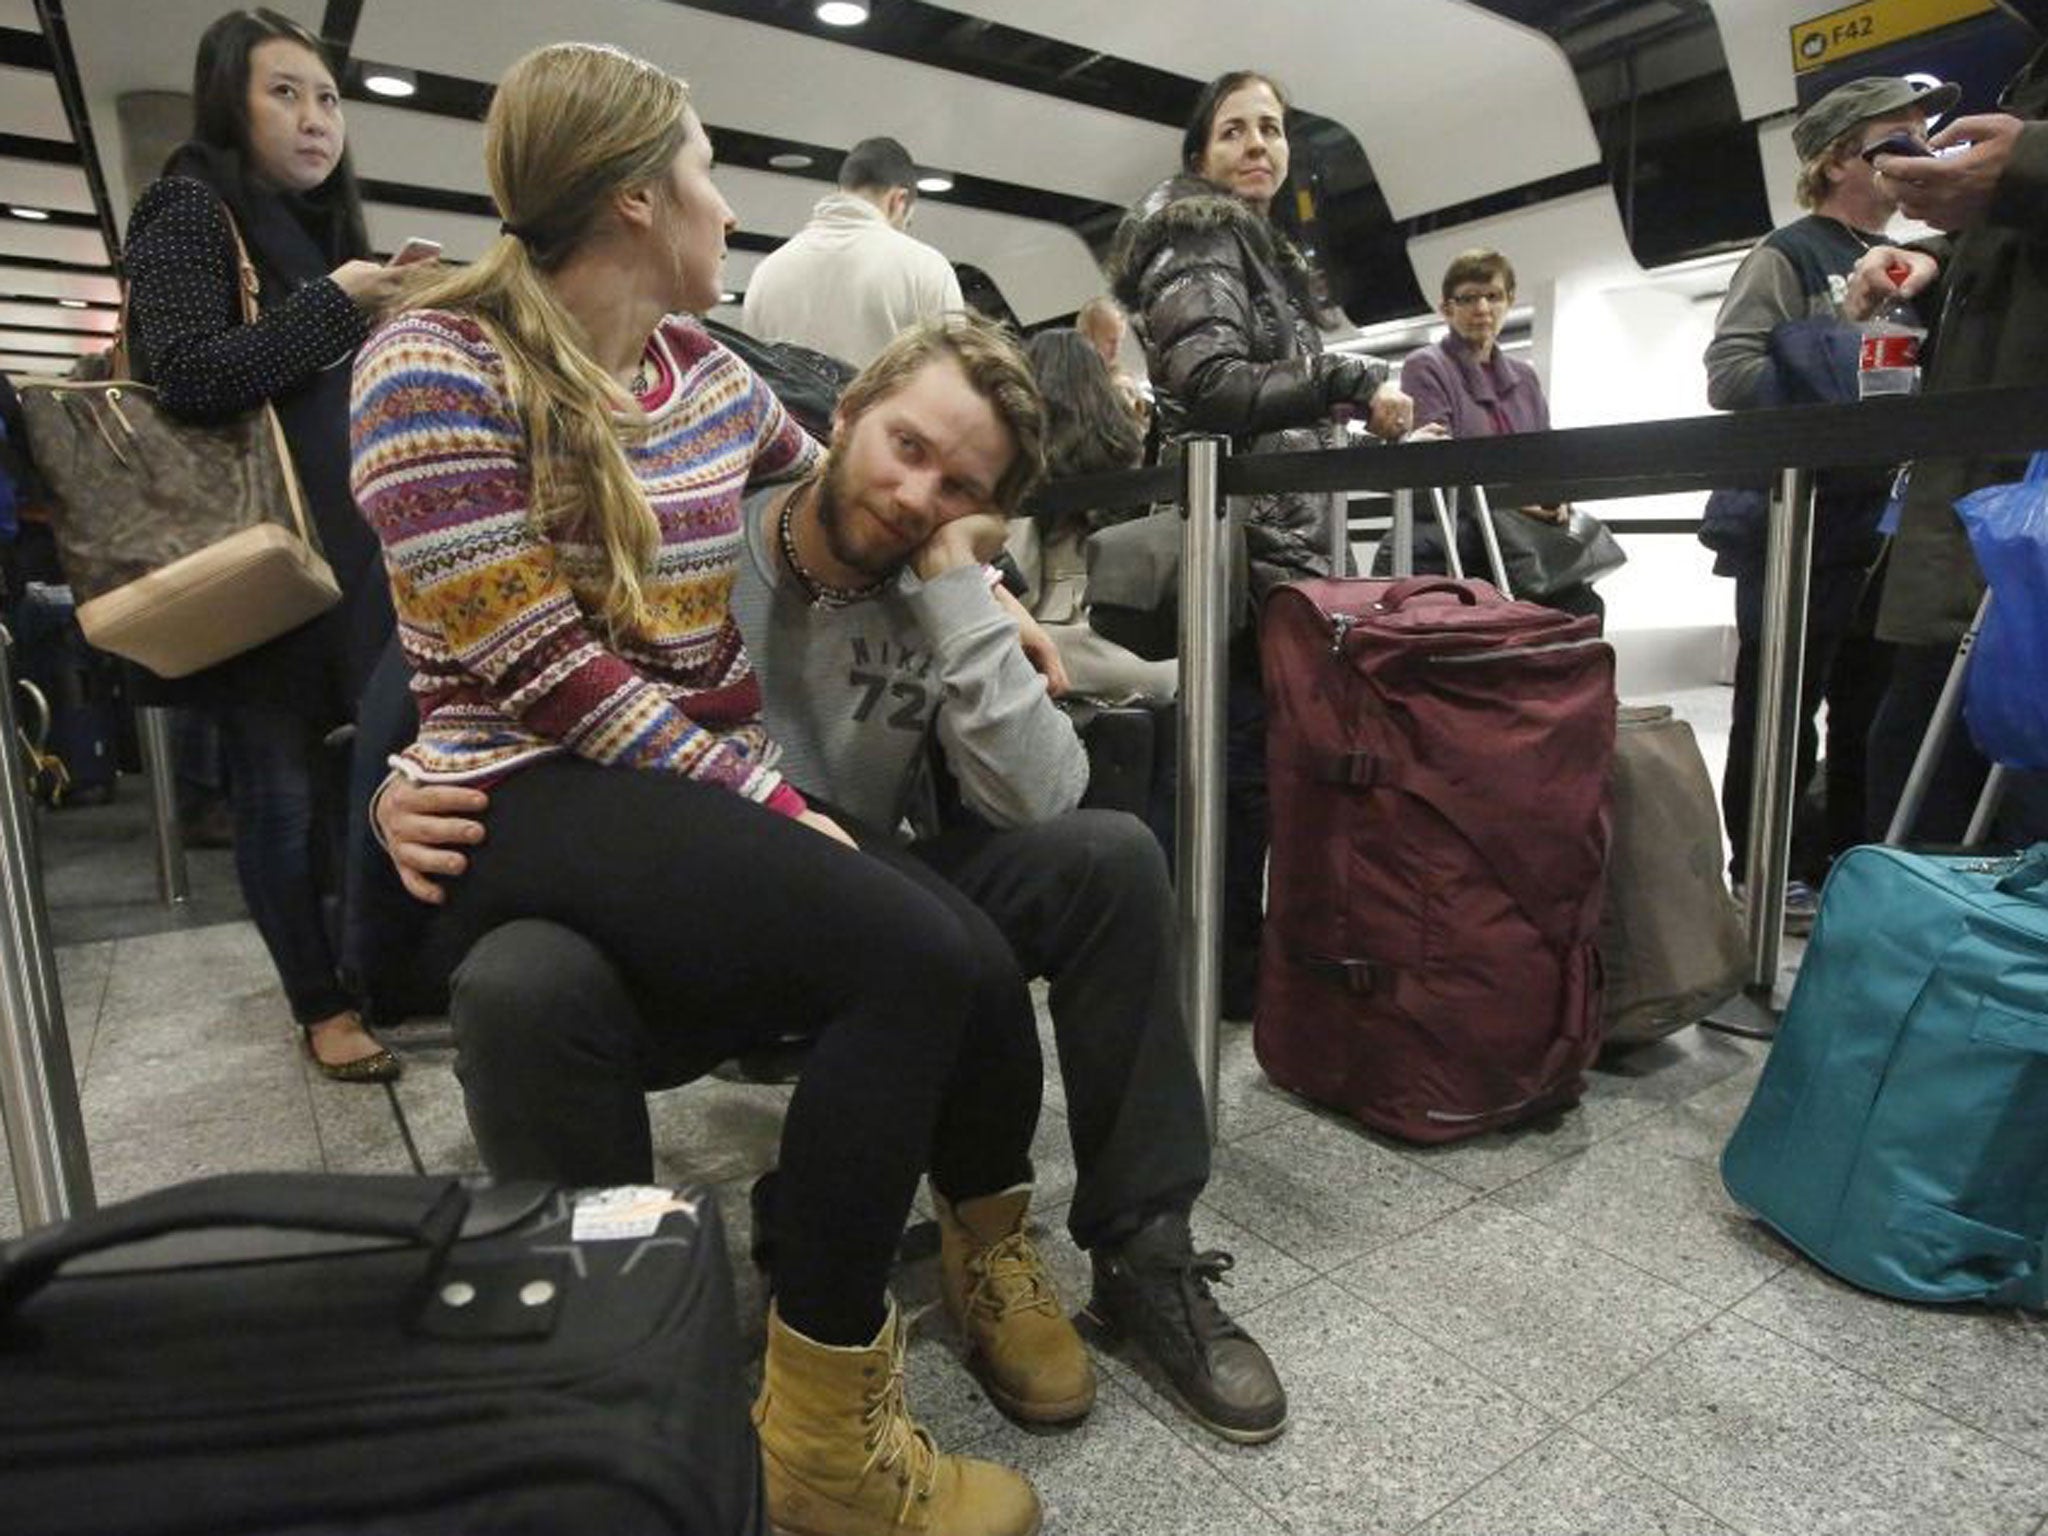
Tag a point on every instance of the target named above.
point(1782, 338)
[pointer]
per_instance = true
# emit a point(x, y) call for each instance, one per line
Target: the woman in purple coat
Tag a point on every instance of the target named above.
point(1467, 385)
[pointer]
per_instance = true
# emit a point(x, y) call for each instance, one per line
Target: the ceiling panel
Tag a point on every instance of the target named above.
point(30, 106)
point(99, 321)
point(52, 242)
point(23, 364)
point(38, 184)
point(1386, 69)
point(33, 282)
point(36, 341)
point(1043, 269)
point(771, 81)
point(1757, 37)
point(20, 15)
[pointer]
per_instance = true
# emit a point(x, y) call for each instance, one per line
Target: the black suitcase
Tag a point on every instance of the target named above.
point(300, 1353)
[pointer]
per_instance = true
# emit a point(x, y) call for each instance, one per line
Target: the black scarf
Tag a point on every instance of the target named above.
point(293, 238)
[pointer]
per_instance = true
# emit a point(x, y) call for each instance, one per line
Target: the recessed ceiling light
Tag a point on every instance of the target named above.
point(384, 80)
point(935, 181)
point(28, 213)
point(71, 303)
point(791, 160)
point(728, 298)
point(843, 13)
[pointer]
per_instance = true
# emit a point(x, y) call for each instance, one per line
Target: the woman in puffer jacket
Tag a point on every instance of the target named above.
point(1222, 301)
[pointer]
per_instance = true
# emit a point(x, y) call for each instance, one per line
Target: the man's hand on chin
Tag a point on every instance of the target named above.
point(970, 540)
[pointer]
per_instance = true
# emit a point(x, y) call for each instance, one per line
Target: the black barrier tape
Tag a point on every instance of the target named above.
point(1644, 458)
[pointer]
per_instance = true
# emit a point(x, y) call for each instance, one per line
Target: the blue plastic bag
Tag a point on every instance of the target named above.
point(2006, 702)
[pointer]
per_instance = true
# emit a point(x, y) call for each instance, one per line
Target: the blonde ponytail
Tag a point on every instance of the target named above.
point(571, 125)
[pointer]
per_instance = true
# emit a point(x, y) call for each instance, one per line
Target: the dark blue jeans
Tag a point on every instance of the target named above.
point(288, 826)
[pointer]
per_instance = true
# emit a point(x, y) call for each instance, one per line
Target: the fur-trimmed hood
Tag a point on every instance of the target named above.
point(1183, 205)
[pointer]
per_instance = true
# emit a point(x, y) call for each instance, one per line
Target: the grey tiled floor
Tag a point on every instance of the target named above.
point(1562, 1329)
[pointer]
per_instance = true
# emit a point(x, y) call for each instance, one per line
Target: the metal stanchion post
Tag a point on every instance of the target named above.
point(1774, 783)
point(38, 1091)
point(154, 727)
point(1198, 828)
point(1403, 533)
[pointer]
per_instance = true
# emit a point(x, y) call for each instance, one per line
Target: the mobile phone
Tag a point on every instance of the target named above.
point(1896, 144)
point(415, 249)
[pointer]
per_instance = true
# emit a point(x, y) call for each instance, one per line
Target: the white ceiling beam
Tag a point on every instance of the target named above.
point(95, 321)
point(1449, 102)
point(51, 242)
point(772, 81)
point(30, 107)
point(41, 283)
point(75, 346)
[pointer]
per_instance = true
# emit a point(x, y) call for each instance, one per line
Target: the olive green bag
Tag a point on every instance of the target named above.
point(184, 544)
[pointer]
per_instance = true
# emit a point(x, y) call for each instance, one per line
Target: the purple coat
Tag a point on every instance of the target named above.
point(1449, 385)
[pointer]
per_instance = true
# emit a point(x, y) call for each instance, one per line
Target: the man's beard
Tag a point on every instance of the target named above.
point(834, 495)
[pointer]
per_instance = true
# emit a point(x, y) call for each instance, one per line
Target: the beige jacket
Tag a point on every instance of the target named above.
point(847, 282)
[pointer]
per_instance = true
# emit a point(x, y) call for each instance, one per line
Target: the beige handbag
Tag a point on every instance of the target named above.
point(184, 544)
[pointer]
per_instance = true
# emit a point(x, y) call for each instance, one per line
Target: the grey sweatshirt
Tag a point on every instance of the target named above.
point(854, 693)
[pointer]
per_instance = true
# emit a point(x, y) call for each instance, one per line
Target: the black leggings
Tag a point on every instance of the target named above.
point(741, 925)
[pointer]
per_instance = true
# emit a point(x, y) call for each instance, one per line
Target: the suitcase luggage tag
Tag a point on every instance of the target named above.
point(521, 1297)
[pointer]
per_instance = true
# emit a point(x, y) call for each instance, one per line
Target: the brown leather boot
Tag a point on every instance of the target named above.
point(841, 1455)
point(1019, 1341)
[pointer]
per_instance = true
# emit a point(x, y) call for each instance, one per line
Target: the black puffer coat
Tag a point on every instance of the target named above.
point(1220, 300)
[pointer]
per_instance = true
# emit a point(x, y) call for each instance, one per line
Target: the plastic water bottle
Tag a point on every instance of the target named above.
point(1888, 360)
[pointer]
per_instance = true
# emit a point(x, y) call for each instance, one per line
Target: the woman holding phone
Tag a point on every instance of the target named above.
point(267, 163)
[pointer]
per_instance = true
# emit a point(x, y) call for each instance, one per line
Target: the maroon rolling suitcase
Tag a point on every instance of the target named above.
point(1438, 762)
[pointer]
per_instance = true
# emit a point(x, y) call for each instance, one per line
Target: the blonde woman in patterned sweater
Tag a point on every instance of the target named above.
point(556, 471)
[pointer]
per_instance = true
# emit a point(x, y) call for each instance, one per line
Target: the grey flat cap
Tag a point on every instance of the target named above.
point(1861, 100)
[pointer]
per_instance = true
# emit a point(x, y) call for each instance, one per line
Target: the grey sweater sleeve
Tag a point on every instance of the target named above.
point(1765, 293)
point(1012, 750)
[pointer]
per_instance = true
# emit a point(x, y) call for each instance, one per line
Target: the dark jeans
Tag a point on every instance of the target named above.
point(1084, 901)
point(555, 1055)
point(289, 819)
point(1832, 601)
point(730, 926)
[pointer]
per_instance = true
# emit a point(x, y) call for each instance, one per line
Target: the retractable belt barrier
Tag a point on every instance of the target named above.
point(38, 1094)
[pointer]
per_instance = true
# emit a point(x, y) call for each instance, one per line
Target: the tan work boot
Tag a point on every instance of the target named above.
point(1019, 1341)
point(841, 1455)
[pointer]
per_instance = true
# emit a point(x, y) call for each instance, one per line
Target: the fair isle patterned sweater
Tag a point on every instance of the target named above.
point(507, 667)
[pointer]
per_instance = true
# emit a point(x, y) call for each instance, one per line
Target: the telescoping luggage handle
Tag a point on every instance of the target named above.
point(426, 1212)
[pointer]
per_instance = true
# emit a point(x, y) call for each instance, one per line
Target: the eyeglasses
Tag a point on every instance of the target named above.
point(1492, 296)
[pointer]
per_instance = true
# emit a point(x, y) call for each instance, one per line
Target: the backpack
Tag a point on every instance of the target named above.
point(808, 383)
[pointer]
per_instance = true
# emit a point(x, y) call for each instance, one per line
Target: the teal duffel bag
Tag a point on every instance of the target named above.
point(1899, 1135)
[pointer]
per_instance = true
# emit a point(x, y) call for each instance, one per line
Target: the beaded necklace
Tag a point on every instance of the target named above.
point(819, 594)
